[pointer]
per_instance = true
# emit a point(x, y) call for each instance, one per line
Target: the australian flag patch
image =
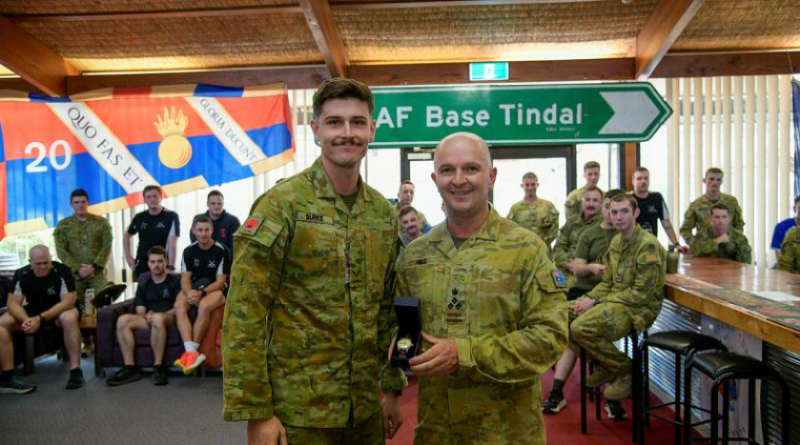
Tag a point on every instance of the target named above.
point(559, 279)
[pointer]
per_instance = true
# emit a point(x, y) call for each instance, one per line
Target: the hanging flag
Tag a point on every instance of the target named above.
point(114, 142)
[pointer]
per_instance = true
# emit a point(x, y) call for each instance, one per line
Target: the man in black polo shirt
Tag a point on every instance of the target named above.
point(154, 311)
point(156, 226)
point(225, 224)
point(48, 288)
point(204, 274)
point(653, 208)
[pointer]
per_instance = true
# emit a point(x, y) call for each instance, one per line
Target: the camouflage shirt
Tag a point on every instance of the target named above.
point(567, 240)
point(572, 205)
point(83, 242)
point(634, 277)
point(736, 249)
point(540, 216)
point(790, 251)
point(696, 217)
point(503, 302)
point(592, 246)
point(309, 316)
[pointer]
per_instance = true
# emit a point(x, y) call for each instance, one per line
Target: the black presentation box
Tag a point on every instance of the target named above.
point(409, 324)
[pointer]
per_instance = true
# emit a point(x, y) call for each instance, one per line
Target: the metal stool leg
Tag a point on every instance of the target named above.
point(636, 369)
point(726, 401)
point(751, 411)
point(714, 413)
point(687, 404)
point(677, 399)
point(582, 358)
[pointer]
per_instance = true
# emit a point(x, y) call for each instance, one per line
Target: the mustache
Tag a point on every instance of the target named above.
point(347, 141)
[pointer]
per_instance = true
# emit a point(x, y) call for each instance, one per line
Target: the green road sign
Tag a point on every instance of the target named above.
point(519, 114)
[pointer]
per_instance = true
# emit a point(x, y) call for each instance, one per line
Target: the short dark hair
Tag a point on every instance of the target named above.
point(407, 181)
point(202, 219)
point(342, 88)
point(215, 193)
point(78, 192)
point(157, 250)
point(796, 199)
point(719, 206)
point(715, 170)
point(624, 197)
point(641, 170)
point(406, 210)
point(591, 164)
point(153, 187)
point(530, 175)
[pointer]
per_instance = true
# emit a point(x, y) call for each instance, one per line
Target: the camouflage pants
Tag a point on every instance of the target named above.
point(98, 282)
point(368, 432)
point(595, 331)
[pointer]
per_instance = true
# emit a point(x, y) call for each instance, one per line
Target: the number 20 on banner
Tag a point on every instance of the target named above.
point(42, 152)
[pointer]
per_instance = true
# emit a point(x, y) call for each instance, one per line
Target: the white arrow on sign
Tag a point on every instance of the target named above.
point(634, 111)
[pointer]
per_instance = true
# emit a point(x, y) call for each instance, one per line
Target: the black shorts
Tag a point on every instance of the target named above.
point(576, 292)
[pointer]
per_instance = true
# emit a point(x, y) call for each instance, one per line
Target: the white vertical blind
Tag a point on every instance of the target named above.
point(741, 124)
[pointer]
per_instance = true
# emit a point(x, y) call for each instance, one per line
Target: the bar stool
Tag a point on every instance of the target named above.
point(681, 344)
point(636, 367)
point(722, 367)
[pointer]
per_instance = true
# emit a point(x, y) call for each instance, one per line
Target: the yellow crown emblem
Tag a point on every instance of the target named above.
point(175, 150)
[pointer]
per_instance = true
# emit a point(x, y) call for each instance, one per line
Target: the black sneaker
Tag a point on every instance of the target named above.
point(16, 386)
point(75, 379)
point(615, 410)
point(124, 376)
point(160, 376)
point(555, 402)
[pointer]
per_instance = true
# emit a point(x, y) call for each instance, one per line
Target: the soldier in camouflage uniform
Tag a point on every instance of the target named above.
point(405, 196)
point(588, 265)
point(725, 242)
point(790, 251)
point(567, 240)
point(628, 298)
point(695, 220)
point(493, 311)
point(309, 318)
point(83, 243)
point(572, 206)
point(534, 213)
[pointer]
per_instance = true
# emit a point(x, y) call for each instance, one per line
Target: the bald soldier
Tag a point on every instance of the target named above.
point(696, 222)
point(629, 297)
point(309, 318)
point(534, 213)
point(493, 312)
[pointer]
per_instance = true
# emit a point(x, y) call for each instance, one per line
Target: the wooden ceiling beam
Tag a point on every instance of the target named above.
point(660, 30)
point(257, 10)
point(731, 64)
point(310, 76)
point(458, 73)
point(33, 60)
point(155, 15)
point(326, 33)
point(296, 77)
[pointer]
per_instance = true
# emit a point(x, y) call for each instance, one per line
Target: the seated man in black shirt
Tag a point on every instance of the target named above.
point(154, 310)
point(204, 274)
point(48, 288)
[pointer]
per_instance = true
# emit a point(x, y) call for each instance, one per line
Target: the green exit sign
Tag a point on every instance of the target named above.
point(488, 71)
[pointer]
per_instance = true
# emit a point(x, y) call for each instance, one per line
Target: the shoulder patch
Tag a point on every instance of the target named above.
point(252, 225)
point(651, 258)
point(559, 279)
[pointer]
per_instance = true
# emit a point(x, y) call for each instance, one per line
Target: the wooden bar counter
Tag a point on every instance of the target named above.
point(723, 289)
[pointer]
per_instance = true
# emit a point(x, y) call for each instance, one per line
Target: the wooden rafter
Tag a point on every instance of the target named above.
point(33, 60)
point(326, 33)
point(662, 28)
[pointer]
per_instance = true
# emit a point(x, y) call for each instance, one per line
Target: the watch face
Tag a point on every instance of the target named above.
point(403, 345)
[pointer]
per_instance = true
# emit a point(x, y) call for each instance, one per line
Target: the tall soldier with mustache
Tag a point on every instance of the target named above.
point(309, 317)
